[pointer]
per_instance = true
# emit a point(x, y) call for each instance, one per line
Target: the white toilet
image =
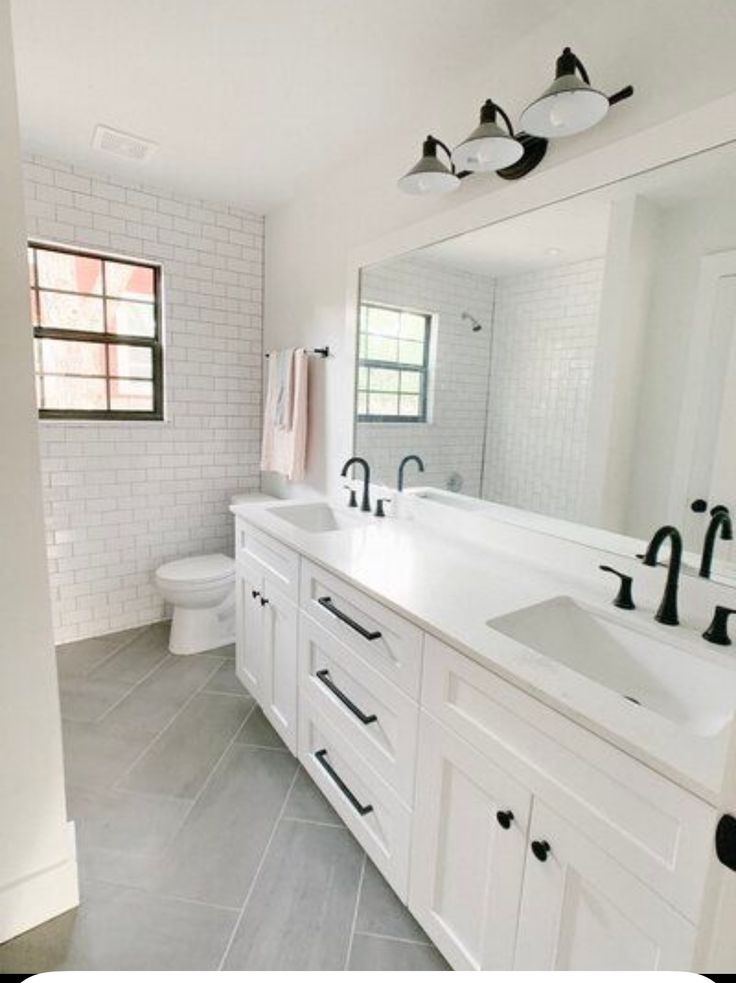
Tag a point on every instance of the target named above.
point(202, 592)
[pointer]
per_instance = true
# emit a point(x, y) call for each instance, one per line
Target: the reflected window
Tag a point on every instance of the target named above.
point(97, 327)
point(393, 365)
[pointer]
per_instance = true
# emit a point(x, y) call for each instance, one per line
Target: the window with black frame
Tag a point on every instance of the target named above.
point(393, 365)
point(97, 327)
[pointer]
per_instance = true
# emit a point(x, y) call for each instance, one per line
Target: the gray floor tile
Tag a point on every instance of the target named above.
point(180, 760)
point(217, 851)
point(79, 658)
point(225, 680)
point(308, 886)
point(124, 821)
point(372, 953)
point(149, 707)
point(87, 699)
point(96, 758)
point(380, 912)
point(123, 929)
point(306, 802)
point(258, 732)
point(135, 659)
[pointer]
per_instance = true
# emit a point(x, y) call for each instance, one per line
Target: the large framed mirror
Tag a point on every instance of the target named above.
point(576, 362)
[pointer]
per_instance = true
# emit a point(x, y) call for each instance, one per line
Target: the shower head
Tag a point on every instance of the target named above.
point(474, 322)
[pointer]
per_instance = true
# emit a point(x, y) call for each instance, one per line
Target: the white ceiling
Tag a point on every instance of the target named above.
point(245, 98)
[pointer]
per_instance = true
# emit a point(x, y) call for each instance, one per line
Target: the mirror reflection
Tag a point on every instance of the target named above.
point(577, 361)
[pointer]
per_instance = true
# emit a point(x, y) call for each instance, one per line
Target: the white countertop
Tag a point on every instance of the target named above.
point(451, 588)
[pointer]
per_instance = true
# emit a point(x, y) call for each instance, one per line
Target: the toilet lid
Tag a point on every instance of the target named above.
point(211, 566)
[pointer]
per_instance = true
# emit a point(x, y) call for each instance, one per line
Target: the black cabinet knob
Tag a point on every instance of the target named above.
point(505, 817)
point(264, 601)
point(255, 593)
point(540, 849)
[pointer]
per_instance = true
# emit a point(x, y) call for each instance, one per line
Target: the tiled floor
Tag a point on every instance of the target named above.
point(202, 843)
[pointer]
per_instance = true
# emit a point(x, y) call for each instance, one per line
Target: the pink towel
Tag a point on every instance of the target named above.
point(284, 449)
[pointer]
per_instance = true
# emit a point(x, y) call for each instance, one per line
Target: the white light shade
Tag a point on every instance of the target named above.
point(429, 177)
point(488, 148)
point(568, 106)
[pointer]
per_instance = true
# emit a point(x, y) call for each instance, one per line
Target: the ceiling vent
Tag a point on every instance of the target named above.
point(122, 144)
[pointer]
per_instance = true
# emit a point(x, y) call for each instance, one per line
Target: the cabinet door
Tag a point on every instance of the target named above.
point(249, 636)
point(581, 910)
point(278, 692)
point(468, 849)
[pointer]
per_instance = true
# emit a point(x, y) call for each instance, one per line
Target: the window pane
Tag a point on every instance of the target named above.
point(31, 268)
point(130, 361)
point(383, 322)
point(128, 394)
point(34, 308)
point(70, 312)
point(409, 406)
point(413, 327)
point(362, 403)
point(384, 380)
point(65, 393)
point(362, 377)
point(382, 404)
point(131, 282)
point(411, 382)
point(383, 349)
point(65, 271)
point(411, 352)
point(69, 357)
point(132, 319)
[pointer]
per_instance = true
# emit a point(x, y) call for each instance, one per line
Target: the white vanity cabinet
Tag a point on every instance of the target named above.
point(267, 628)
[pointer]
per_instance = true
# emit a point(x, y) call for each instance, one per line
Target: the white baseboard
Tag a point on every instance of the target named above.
point(40, 896)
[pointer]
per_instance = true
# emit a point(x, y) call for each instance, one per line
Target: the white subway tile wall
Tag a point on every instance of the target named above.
point(452, 441)
point(544, 347)
point(122, 498)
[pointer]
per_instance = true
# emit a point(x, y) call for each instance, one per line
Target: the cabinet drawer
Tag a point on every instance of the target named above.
point(368, 807)
point(373, 715)
point(654, 828)
point(384, 639)
point(275, 559)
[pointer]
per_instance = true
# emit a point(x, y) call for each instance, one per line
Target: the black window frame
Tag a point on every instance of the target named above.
point(154, 344)
point(421, 370)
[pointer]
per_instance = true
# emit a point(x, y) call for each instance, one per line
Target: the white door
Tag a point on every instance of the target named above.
point(248, 635)
point(580, 910)
point(468, 848)
point(278, 692)
point(704, 463)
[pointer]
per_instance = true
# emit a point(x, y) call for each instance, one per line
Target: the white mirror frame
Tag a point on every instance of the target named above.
point(709, 127)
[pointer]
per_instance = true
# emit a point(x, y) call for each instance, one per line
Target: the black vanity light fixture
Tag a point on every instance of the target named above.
point(569, 105)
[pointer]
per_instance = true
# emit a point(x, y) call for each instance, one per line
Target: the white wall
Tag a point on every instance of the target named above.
point(309, 241)
point(545, 333)
point(452, 440)
point(37, 866)
point(122, 498)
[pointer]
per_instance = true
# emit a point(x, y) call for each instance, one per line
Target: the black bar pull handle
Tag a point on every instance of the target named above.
point(321, 757)
point(326, 602)
point(324, 677)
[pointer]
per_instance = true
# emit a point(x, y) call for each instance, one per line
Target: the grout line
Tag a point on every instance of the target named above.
point(354, 921)
point(256, 875)
point(313, 822)
point(160, 734)
point(119, 648)
point(396, 938)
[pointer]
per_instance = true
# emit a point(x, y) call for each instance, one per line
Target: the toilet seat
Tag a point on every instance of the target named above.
point(197, 571)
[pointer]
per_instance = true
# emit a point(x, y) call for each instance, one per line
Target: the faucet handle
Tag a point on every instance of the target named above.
point(717, 630)
point(379, 507)
point(353, 500)
point(624, 598)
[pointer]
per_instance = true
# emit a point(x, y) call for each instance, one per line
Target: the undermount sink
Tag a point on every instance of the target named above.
point(688, 691)
point(319, 517)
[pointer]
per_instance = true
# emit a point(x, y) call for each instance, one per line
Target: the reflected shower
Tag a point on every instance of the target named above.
point(474, 322)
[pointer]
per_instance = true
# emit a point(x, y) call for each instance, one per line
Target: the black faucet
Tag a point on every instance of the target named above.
point(720, 522)
point(404, 462)
point(667, 613)
point(365, 505)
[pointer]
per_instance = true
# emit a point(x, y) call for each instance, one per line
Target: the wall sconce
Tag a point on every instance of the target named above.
point(569, 105)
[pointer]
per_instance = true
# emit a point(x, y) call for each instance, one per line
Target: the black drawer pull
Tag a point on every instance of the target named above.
point(326, 602)
point(321, 757)
point(505, 817)
point(324, 677)
point(540, 849)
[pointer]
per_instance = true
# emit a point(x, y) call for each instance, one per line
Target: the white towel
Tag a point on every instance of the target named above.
point(284, 449)
point(284, 382)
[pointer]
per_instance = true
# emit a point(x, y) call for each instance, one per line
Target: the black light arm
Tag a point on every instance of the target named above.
point(568, 63)
point(488, 114)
